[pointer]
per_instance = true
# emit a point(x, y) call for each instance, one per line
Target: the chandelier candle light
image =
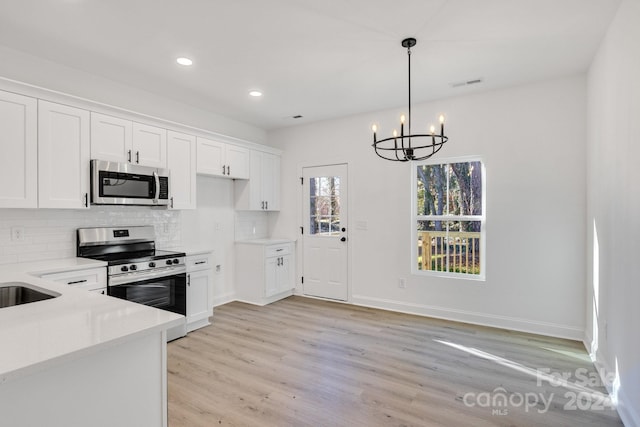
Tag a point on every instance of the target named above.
point(401, 148)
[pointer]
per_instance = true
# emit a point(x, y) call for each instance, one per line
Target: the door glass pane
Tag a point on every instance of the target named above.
point(324, 205)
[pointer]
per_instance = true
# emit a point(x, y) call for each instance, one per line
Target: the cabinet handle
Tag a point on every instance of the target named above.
point(129, 156)
point(200, 262)
point(263, 204)
point(224, 169)
point(171, 202)
point(86, 200)
point(229, 170)
point(75, 282)
point(188, 280)
point(266, 205)
point(137, 157)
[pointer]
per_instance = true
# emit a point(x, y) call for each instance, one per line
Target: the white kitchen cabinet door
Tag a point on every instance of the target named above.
point(19, 145)
point(63, 156)
point(271, 266)
point(219, 159)
point(284, 274)
point(278, 276)
point(211, 157)
point(181, 161)
point(199, 289)
point(198, 311)
point(111, 138)
point(271, 181)
point(149, 146)
point(237, 159)
point(262, 191)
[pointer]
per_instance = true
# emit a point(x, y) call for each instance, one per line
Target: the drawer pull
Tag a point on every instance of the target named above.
point(280, 250)
point(76, 282)
point(200, 262)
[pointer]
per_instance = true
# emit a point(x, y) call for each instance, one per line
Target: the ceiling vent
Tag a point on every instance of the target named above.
point(467, 83)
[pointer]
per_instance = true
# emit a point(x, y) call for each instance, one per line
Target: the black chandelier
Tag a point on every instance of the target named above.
point(403, 148)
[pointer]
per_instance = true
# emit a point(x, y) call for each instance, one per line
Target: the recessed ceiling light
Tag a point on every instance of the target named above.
point(255, 93)
point(184, 61)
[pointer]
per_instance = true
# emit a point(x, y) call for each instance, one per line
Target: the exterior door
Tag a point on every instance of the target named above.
point(325, 242)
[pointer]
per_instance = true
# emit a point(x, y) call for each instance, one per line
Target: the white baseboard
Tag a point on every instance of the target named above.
point(624, 405)
point(483, 319)
point(224, 299)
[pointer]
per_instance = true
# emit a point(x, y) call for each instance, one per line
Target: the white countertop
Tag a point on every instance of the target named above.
point(78, 322)
point(193, 250)
point(266, 241)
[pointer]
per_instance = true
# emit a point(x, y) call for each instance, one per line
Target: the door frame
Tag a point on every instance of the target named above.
point(300, 214)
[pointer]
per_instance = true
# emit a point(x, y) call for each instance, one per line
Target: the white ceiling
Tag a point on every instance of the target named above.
point(318, 58)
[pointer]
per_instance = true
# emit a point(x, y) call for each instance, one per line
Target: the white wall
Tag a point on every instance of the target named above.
point(613, 229)
point(532, 139)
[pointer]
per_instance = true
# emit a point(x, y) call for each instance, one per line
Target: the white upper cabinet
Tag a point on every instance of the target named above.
point(221, 159)
point(181, 161)
point(119, 140)
point(63, 156)
point(19, 145)
point(149, 145)
point(237, 162)
point(111, 138)
point(262, 191)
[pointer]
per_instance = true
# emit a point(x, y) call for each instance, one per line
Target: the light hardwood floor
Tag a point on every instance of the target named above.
point(306, 362)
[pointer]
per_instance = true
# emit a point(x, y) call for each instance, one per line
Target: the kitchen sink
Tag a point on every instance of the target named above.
point(16, 293)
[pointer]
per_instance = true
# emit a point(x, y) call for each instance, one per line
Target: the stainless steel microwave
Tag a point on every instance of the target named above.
point(114, 183)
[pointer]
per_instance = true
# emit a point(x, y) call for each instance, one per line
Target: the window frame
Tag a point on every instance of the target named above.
point(448, 218)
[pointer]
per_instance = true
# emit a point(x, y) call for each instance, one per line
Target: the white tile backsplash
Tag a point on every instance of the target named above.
point(51, 233)
point(251, 225)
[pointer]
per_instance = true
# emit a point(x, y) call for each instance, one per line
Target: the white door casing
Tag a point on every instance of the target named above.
point(325, 232)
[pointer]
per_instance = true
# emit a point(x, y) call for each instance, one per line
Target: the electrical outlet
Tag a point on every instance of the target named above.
point(402, 283)
point(17, 234)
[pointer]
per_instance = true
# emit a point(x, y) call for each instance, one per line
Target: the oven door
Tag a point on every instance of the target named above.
point(159, 289)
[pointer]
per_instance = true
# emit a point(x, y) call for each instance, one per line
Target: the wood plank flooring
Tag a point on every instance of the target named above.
point(307, 362)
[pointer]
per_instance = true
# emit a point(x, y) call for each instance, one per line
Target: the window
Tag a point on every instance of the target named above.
point(324, 200)
point(449, 218)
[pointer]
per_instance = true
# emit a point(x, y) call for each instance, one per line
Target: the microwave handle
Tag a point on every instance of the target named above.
point(157, 179)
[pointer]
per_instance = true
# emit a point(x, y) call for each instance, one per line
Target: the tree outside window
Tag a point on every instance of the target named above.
point(449, 217)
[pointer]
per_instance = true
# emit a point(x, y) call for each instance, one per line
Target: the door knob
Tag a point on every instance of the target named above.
point(343, 239)
point(344, 229)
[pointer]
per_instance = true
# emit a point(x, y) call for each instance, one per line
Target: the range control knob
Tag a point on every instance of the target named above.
point(168, 262)
point(124, 268)
point(133, 267)
point(152, 264)
point(176, 261)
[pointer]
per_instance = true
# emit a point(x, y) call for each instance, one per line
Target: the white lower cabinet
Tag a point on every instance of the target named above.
point(199, 283)
point(91, 279)
point(264, 270)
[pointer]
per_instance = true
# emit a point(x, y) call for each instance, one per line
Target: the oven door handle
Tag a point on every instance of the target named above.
point(145, 275)
point(135, 285)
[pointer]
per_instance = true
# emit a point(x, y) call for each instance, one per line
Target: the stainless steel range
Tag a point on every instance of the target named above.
point(136, 270)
